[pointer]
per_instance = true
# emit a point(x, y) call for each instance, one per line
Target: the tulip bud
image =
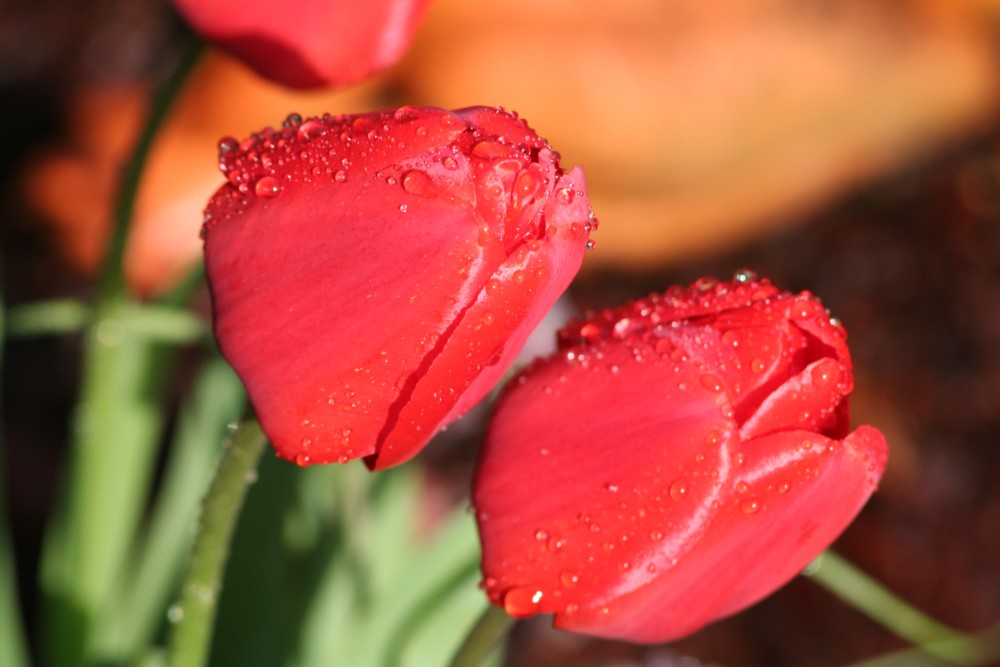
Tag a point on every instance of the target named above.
point(373, 276)
point(678, 459)
point(309, 43)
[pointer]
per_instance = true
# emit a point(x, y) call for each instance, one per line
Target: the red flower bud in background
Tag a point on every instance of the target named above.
point(374, 276)
point(677, 460)
point(312, 42)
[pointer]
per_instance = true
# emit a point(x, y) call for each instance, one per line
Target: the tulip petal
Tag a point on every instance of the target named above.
point(809, 400)
point(494, 328)
point(320, 376)
point(588, 482)
point(759, 540)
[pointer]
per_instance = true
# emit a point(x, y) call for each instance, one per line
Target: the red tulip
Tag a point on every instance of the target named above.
point(374, 276)
point(677, 460)
point(309, 43)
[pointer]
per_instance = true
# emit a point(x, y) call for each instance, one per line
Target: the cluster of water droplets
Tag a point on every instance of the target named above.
point(422, 152)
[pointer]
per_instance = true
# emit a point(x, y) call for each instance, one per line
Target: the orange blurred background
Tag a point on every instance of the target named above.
point(700, 125)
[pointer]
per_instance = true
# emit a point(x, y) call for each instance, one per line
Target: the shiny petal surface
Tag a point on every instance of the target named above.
point(672, 464)
point(313, 42)
point(368, 288)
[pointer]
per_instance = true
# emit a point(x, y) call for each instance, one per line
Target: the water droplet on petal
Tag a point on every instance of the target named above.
point(522, 602)
point(678, 490)
point(566, 196)
point(311, 129)
point(228, 145)
point(267, 187)
point(711, 382)
point(750, 506)
point(823, 375)
point(744, 276)
point(340, 176)
point(569, 578)
point(292, 120)
point(416, 182)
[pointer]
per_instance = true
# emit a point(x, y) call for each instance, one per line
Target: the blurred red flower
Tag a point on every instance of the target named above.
point(677, 460)
point(373, 276)
point(311, 43)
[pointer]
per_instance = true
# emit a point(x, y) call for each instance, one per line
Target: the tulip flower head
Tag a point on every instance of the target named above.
point(309, 43)
point(373, 276)
point(677, 460)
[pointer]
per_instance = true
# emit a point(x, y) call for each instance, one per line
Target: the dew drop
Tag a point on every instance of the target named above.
point(678, 490)
point(340, 176)
point(750, 506)
point(711, 382)
point(742, 487)
point(267, 187)
point(302, 460)
point(541, 535)
point(656, 535)
point(757, 365)
point(292, 120)
point(416, 182)
point(228, 145)
point(311, 129)
point(525, 186)
point(823, 375)
point(566, 196)
point(450, 163)
point(522, 602)
point(744, 276)
point(569, 578)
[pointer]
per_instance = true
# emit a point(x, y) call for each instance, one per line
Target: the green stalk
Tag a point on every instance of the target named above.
point(870, 597)
point(13, 651)
point(116, 429)
point(483, 638)
point(194, 614)
point(153, 322)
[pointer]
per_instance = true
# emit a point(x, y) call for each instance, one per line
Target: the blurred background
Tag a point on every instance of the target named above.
point(850, 148)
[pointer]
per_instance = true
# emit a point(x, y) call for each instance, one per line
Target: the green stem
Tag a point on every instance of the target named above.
point(13, 649)
point(116, 429)
point(985, 645)
point(152, 322)
point(483, 638)
point(873, 599)
point(112, 281)
point(194, 614)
